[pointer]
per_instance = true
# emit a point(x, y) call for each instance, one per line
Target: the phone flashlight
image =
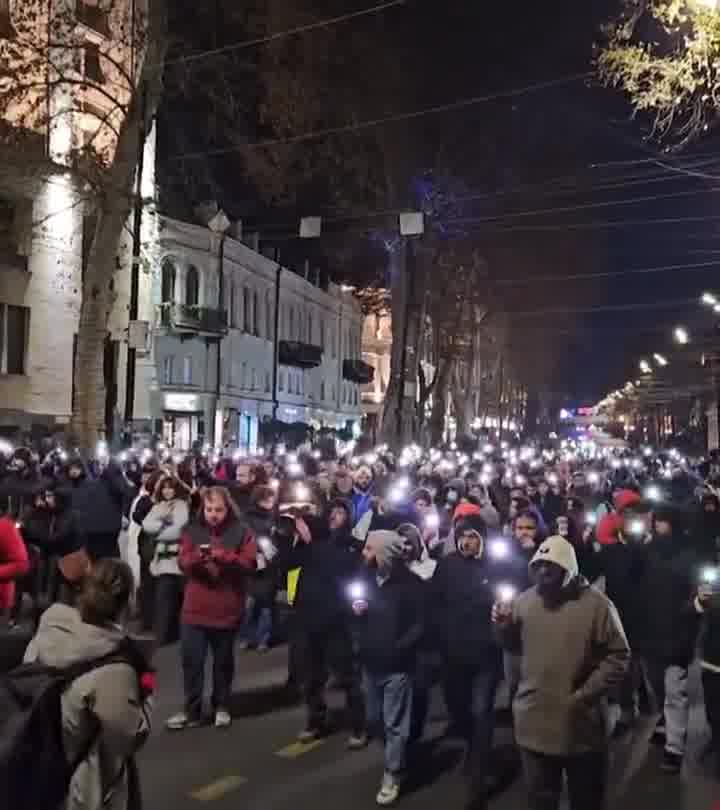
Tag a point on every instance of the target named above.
point(506, 593)
point(357, 591)
point(498, 549)
point(432, 521)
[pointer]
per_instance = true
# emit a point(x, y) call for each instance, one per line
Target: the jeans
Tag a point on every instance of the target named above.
point(168, 603)
point(195, 642)
point(586, 780)
point(388, 702)
point(473, 686)
point(669, 682)
point(257, 629)
point(319, 652)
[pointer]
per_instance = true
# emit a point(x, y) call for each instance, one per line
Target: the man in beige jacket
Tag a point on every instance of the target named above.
point(573, 650)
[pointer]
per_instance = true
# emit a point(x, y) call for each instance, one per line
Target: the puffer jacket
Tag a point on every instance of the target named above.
point(108, 697)
point(165, 524)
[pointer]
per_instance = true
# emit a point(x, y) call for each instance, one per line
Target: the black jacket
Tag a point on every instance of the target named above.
point(463, 593)
point(100, 502)
point(390, 633)
point(622, 565)
point(17, 493)
point(56, 533)
point(669, 625)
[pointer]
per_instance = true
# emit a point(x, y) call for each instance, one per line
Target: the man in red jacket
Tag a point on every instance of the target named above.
point(14, 563)
point(216, 555)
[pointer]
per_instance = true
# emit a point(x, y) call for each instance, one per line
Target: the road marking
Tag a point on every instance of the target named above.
point(297, 749)
point(219, 788)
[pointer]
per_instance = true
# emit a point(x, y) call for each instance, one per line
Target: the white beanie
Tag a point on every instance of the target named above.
point(557, 550)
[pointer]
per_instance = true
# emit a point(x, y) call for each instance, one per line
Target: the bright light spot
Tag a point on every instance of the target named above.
point(302, 493)
point(499, 549)
point(593, 478)
point(357, 591)
point(637, 527)
point(660, 359)
point(432, 521)
point(653, 493)
point(681, 335)
point(709, 298)
point(709, 575)
point(591, 518)
point(506, 593)
point(645, 367)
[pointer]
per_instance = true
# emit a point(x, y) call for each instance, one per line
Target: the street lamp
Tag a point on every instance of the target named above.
point(680, 333)
point(660, 360)
point(709, 299)
point(645, 367)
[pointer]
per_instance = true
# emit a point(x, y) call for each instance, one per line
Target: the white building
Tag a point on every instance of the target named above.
point(318, 373)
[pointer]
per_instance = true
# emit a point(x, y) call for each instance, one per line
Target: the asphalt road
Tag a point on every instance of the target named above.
point(257, 764)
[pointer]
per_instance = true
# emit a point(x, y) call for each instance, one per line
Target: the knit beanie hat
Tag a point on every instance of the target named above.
point(557, 550)
point(389, 547)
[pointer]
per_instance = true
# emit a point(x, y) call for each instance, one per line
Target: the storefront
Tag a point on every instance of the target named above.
point(183, 420)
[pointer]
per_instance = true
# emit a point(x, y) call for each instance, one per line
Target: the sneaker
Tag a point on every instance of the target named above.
point(222, 719)
point(309, 735)
point(389, 791)
point(181, 721)
point(357, 741)
point(671, 763)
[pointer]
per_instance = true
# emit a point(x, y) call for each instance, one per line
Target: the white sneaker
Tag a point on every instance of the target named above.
point(222, 719)
point(389, 791)
point(180, 721)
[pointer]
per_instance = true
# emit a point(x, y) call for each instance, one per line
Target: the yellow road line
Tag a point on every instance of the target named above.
point(219, 788)
point(297, 749)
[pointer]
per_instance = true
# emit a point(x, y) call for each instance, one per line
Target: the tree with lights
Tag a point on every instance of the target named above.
point(665, 55)
point(80, 84)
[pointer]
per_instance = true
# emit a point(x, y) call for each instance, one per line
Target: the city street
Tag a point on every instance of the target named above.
point(257, 763)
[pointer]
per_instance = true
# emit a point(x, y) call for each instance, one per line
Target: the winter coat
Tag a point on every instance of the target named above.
point(14, 562)
point(100, 502)
point(264, 580)
point(57, 532)
point(668, 583)
point(706, 534)
point(17, 493)
point(571, 656)
point(216, 581)
point(710, 634)
point(108, 699)
point(551, 506)
point(622, 565)
point(390, 633)
point(462, 596)
point(164, 524)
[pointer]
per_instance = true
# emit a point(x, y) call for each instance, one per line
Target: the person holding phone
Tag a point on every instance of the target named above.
point(216, 556)
point(573, 652)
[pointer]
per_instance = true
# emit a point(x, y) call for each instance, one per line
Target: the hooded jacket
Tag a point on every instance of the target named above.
point(109, 696)
point(572, 654)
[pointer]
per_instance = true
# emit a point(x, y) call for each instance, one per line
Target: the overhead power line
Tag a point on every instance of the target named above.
point(346, 129)
point(291, 32)
point(677, 304)
point(668, 268)
point(616, 223)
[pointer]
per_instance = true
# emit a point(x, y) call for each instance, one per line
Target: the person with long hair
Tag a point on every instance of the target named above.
point(164, 525)
point(216, 555)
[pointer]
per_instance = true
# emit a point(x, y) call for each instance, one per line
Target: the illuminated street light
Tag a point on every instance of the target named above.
point(709, 299)
point(660, 360)
point(680, 333)
point(645, 367)
point(711, 4)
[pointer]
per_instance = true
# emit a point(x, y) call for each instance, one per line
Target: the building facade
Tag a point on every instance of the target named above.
point(214, 369)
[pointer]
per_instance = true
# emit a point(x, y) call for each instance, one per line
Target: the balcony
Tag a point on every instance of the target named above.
point(201, 320)
point(358, 371)
point(299, 355)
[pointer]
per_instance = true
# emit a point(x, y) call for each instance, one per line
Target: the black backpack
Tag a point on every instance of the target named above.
point(35, 772)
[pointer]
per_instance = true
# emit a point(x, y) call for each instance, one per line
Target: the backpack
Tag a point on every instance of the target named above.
point(35, 772)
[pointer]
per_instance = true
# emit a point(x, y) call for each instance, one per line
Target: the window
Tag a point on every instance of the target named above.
point(291, 324)
point(91, 63)
point(310, 328)
point(168, 276)
point(267, 382)
point(334, 394)
point(332, 341)
point(254, 380)
point(192, 287)
point(231, 303)
point(246, 309)
point(92, 16)
point(7, 30)
point(301, 383)
point(13, 338)
point(269, 323)
point(243, 376)
point(281, 381)
point(256, 314)
point(187, 371)
point(322, 390)
point(322, 333)
point(355, 396)
point(168, 370)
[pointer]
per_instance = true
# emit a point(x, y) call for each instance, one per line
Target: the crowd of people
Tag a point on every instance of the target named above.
point(538, 565)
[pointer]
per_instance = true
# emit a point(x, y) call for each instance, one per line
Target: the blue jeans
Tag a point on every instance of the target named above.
point(388, 708)
point(257, 629)
point(195, 643)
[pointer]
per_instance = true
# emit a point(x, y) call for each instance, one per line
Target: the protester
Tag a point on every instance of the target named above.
point(14, 564)
point(163, 526)
point(105, 713)
point(573, 651)
point(216, 555)
point(390, 627)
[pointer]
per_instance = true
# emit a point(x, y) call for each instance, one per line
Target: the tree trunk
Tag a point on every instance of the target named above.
point(399, 290)
point(437, 417)
point(88, 421)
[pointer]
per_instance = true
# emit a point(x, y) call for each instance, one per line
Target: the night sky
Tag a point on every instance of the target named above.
point(573, 147)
